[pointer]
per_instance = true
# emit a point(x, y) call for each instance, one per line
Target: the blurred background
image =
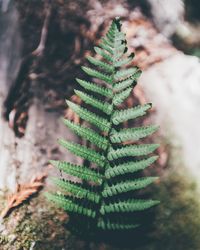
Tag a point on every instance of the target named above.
point(42, 46)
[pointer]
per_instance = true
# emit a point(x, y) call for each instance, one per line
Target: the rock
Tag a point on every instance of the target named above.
point(165, 17)
point(173, 86)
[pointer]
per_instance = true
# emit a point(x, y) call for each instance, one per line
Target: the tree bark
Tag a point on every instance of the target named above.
point(25, 157)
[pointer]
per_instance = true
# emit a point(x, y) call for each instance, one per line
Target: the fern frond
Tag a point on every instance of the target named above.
point(133, 150)
point(70, 206)
point(107, 43)
point(103, 106)
point(84, 152)
point(88, 134)
point(81, 172)
point(128, 206)
point(110, 36)
point(131, 113)
point(105, 193)
point(105, 66)
point(125, 73)
point(104, 45)
point(105, 55)
point(129, 167)
point(76, 190)
point(124, 61)
point(97, 74)
point(127, 186)
point(121, 37)
point(121, 85)
point(86, 115)
point(133, 134)
point(119, 98)
point(120, 50)
point(95, 88)
point(108, 225)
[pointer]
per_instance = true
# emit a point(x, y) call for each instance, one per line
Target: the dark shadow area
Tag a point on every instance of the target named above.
point(85, 230)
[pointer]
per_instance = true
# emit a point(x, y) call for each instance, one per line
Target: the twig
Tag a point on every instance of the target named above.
point(40, 49)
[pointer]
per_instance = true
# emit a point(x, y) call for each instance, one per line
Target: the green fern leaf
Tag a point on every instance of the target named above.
point(107, 43)
point(97, 74)
point(133, 150)
point(96, 120)
point(104, 54)
point(119, 51)
point(110, 36)
point(132, 113)
point(128, 206)
point(69, 205)
point(88, 134)
point(84, 152)
point(129, 167)
point(119, 98)
point(105, 66)
point(103, 106)
point(106, 47)
point(121, 37)
point(108, 225)
point(124, 61)
point(133, 134)
point(127, 186)
point(125, 73)
point(108, 179)
point(81, 172)
point(76, 190)
point(95, 88)
point(121, 85)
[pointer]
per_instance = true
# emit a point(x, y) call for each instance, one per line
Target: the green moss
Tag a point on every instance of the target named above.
point(177, 223)
point(4, 240)
point(40, 226)
point(35, 225)
point(177, 219)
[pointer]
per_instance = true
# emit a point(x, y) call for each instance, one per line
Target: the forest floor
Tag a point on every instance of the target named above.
point(39, 225)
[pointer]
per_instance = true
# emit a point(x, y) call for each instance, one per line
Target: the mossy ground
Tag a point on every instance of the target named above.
point(41, 226)
point(35, 225)
point(177, 223)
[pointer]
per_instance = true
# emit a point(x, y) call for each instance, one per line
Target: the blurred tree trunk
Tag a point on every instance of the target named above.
point(22, 157)
point(8, 70)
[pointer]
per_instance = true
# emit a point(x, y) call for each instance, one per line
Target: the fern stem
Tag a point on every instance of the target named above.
point(113, 107)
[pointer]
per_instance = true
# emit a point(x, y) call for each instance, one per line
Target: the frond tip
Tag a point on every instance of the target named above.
point(102, 190)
